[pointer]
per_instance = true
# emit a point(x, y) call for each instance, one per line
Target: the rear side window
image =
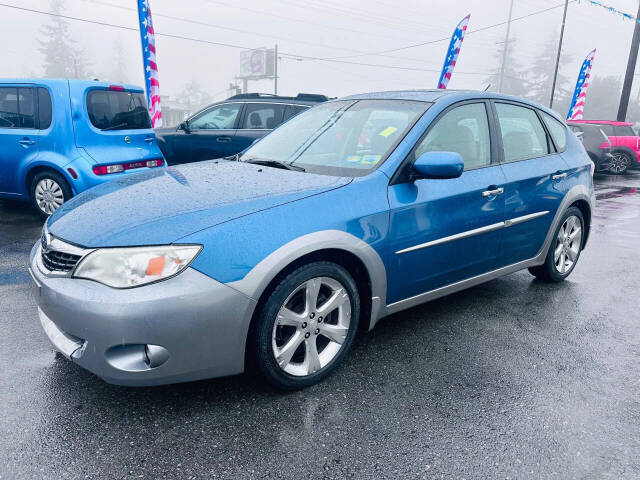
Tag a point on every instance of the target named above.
point(292, 110)
point(44, 108)
point(262, 116)
point(557, 129)
point(523, 136)
point(17, 107)
point(113, 110)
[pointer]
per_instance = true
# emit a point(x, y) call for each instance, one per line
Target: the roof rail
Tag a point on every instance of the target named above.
point(252, 95)
point(313, 97)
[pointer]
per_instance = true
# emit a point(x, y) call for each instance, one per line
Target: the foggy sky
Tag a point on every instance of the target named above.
point(322, 28)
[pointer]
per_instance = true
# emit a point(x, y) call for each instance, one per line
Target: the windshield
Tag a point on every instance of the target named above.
point(345, 138)
point(115, 110)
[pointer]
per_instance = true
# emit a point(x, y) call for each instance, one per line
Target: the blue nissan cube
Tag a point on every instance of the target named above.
point(60, 137)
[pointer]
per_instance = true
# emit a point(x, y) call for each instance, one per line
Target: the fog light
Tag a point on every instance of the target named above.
point(155, 355)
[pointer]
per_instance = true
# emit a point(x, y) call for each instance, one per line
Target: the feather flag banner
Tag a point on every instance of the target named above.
point(453, 52)
point(579, 95)
point(148, 38)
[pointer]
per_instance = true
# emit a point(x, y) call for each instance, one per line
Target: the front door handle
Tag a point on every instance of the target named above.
point(25, 142)
point(224, 139)
point(491, 193)
point(559, 176)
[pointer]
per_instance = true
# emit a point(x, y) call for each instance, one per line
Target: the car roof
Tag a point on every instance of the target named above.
point(601, 122)
point(60, 81)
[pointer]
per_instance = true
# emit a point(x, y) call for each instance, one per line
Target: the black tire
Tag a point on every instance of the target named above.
point(263, 334)
point(620, 164)
point(48, 175)
point(548, 272)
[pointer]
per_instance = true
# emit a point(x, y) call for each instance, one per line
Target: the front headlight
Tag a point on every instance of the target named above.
point(135, 266)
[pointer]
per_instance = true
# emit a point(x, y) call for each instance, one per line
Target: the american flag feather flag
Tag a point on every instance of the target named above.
point(580, 94)
point(453, 52)
point(147, 35)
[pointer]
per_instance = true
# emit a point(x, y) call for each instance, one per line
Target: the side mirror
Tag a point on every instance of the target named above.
point(438, 165)
point(184, 126)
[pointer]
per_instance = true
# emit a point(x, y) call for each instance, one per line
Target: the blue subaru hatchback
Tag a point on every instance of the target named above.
point(61, 137)
point(355, 209)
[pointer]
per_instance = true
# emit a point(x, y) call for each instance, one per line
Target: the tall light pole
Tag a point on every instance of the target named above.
point(628, 76)
point(506, 46)
point(555, 72)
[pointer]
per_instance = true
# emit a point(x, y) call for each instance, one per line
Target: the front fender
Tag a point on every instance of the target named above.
point(257, 280)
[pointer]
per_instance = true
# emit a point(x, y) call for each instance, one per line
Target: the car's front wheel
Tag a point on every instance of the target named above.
point(307, 325)
point(565, 248)
point(48, 192)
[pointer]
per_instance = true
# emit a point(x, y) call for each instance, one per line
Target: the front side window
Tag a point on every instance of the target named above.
point(345, 137)
point(523, 136)
point(220, 117)
point(557, 129)
point(463, 130)
point(115, 110)
point(262, 116)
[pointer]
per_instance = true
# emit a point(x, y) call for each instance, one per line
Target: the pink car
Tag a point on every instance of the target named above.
point(625, 144)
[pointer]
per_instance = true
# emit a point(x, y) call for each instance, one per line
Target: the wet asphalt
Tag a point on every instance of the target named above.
point(511, 379)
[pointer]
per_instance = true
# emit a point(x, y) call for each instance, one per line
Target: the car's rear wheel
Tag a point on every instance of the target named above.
point(620, 163)
point(565, 248)
point(307, 325)
point(48, 192)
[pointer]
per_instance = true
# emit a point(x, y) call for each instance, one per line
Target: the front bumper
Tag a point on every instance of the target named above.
point(196, 326)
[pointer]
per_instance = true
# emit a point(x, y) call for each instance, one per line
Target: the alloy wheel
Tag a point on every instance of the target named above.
point(49, 195)
point(568, 243)
point(619, 163)
point(311, 326)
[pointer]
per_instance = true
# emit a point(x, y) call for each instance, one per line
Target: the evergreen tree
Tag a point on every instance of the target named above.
point(603, 97)
point(61, 58)
point(541, 77)
point(514, 80)
point(193, 97)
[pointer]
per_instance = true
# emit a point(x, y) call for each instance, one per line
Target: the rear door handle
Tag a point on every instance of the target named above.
point(491, 193)
point(559, 176)
point(148, 139)
point(25, 142)
point(224, 139)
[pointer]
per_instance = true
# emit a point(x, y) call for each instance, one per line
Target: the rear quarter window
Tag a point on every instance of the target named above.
point(44, 108)
point(114, 110)
point(557, 129)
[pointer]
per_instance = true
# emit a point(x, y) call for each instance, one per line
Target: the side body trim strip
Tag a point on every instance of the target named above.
point(475, 231)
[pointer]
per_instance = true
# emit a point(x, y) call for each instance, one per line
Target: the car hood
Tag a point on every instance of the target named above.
point(161, 206)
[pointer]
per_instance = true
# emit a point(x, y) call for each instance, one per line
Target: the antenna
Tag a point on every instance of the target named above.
point(487, 87)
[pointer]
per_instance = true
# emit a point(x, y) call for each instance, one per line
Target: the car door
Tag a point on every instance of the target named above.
point(209, 134)
point(18, 134)
point(536, 179)
point(444, 231)
point(258, 119)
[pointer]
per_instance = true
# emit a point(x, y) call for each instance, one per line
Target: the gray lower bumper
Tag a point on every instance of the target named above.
point(199, 323)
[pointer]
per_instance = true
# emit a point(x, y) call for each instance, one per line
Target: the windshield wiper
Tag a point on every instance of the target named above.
point(275, 163)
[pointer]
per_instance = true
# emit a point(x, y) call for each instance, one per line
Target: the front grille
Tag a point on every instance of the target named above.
point(59, 261)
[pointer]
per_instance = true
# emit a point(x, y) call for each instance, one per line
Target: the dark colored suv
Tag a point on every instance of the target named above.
point(597, 144)
point(228, 127)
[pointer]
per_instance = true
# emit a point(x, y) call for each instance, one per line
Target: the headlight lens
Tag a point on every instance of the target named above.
point(132, 267)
